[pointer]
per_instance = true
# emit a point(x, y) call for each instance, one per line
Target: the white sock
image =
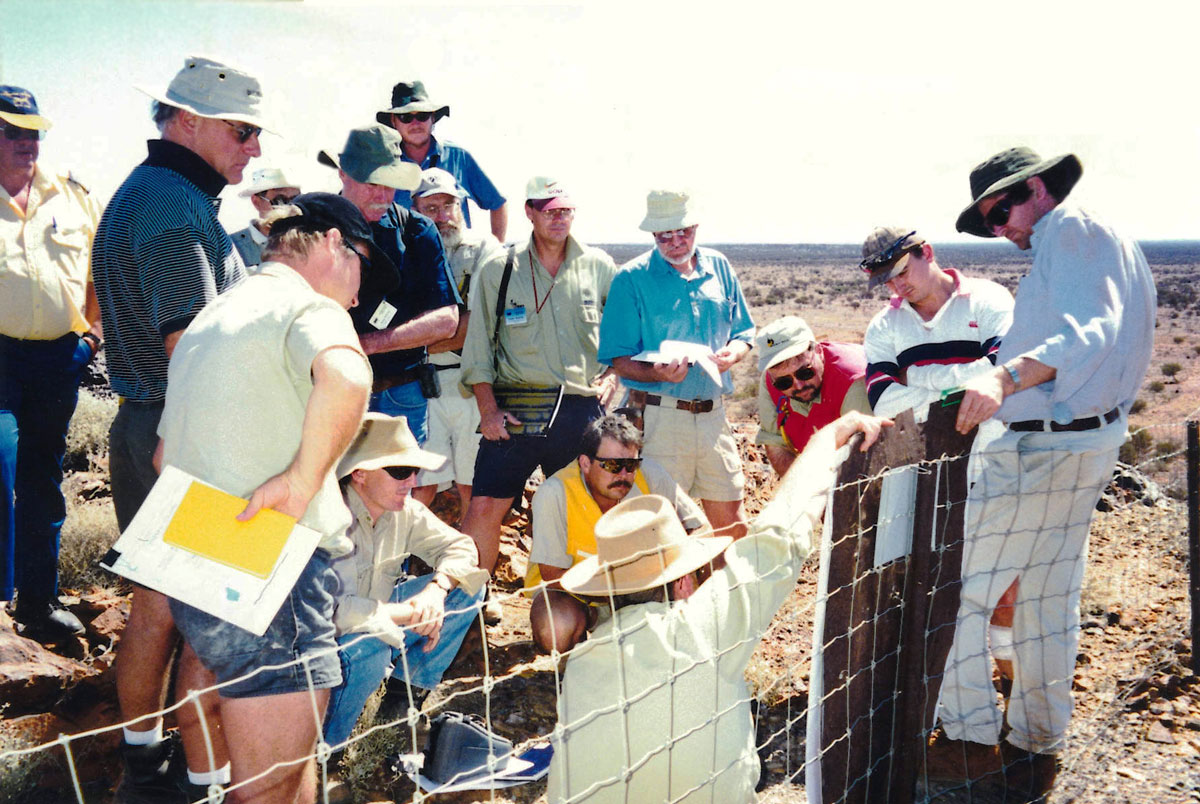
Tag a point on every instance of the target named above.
point(221, 775)
point(1002, 643)
point(151, 737)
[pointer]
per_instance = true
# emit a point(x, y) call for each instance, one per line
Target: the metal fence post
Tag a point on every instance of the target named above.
point(1193, 481)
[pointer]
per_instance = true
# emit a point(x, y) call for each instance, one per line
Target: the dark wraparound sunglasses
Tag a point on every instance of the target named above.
point(408, 117)
point(243, 131)
point(401, 472)
point(617, 465)
point(784, 382)
point(12, 132)
point(997, 216)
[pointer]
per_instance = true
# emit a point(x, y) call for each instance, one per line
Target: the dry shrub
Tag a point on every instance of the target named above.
point(89, 531)
point(87, 437)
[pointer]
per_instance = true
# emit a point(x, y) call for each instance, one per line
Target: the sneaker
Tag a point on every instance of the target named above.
point(147, 776)
point(46, 620)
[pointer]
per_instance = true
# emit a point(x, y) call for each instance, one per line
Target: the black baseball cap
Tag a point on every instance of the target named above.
point(321, 212)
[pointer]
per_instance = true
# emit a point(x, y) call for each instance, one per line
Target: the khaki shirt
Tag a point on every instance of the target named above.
point(466, 259)
point(367, 575)
point(554, 347)
point(44, 258)
point(768, 429)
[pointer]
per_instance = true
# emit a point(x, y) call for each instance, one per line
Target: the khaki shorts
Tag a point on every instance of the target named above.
point(452, 425)
point(697, 449)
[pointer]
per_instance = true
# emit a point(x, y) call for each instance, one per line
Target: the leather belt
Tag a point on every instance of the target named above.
point(440, 367)
point(693, 406)
point(402, 377)
point(1079, 425)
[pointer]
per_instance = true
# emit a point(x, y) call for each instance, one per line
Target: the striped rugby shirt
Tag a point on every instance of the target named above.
point(160, 255)
point(959, 342)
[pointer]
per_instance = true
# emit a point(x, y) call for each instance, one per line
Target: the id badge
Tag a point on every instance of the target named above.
point(383, 315)
point(515, 316)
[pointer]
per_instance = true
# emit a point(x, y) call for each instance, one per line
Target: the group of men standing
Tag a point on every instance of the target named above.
point(258, 381)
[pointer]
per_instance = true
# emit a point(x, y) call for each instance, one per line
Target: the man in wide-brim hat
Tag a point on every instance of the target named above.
point(413, 115)
point(268, 187)
point(665, 675)
point(1067, 373)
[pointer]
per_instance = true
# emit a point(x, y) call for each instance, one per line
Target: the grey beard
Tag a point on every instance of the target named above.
point(452, 238)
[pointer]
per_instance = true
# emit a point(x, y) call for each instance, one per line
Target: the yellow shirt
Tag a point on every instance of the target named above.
point(44, 258)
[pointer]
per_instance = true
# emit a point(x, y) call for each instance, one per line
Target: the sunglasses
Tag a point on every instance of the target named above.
point(365, 265)
point(401, 472)
point(888, 254)
point(784, 382)
point(243, 131)
point(12, 132)
point(280, 200)
point(997, 216)
point(617, 465)
point(408, 117)
point(667, 237)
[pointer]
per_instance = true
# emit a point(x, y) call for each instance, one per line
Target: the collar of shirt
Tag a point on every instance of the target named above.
point(704, 267)
point(435, 149)
point(186, 163)
point(1043, 225)
point(42, 185)
point(574, 250)
point(258, 237)
point(358, 509)
point(281, 270)
point(960, 289)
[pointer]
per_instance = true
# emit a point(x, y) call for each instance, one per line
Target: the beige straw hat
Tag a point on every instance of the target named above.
point(386, 441)
point(640, 544)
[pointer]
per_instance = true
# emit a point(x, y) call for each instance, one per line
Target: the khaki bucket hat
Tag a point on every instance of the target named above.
point(386, 441)
point(209, 88)
point(667, 210)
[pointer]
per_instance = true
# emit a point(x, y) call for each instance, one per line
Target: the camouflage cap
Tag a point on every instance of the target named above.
point(886, 252)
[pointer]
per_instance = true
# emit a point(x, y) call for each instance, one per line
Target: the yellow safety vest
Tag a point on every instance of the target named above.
point(582, 514)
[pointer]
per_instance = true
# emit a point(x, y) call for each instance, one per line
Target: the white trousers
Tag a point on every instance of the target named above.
point(1028, 518)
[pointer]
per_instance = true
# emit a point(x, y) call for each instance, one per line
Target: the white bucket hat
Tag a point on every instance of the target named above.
point(386, 441)
point(667, 210)
point(208, 88)
point(641, 544)
point(264, 179)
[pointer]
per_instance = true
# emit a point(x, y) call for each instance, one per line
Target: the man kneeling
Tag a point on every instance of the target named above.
point(565, 510)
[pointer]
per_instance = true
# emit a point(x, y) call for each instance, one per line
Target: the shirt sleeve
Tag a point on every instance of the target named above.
point(176, 277)
point(1085, 275)
point(856, 399)
point(443, 548)
point(991, 309)
point(477, 184)
point(319, 327)
point(621, 324)
point(479, 347)
point(549, 523)
point(768, 430)
point(742, 328)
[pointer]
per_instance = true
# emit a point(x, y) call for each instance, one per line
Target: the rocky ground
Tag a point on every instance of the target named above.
point(1135, 735)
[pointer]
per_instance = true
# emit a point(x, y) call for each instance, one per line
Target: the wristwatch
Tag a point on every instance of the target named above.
point(443, 582)
point(1012, 373)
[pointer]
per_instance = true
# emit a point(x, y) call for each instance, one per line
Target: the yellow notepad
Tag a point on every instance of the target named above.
point(205, 523)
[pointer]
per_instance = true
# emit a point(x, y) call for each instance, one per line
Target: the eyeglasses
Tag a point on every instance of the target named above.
point(784, 382)
point(431, 209)
point(408, 117)
point(893, 251)
point(617, 465)
point(997, 216)
point(243, 131)
point(558, 213)
point(667, 237)
point(279, 200)
point(12, 132)
point(401, 472)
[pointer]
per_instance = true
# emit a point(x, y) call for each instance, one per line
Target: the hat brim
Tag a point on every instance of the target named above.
point(255, 189)
point(211, 112)
point(668, 223)
point(878, 278)
point(794, 350)
point(422, 459)
point(31, 121)
point(1067, 167)
point(589, 578)
point(399, 175)
point(385, 116)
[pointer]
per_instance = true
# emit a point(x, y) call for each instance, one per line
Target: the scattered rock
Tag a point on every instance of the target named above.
point(1130, 774)
point(1158, 733)
point(32, 677)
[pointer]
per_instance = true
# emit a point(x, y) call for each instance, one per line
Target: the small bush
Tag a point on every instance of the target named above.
point(1179, 339)
point(1165, 447)
point(88, 532)
point(87, 437)
point(1133, 449)
point(1138, 406)
point(1157, 386)
point(1169, 370)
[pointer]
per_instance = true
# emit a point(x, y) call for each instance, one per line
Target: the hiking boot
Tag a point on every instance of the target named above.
point(46, 620)
point(1028, 777)
point(493, 612)
point(147, 776)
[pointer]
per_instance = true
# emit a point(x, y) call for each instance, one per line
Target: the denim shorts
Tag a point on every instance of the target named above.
point(302, 628)
point(502, 467)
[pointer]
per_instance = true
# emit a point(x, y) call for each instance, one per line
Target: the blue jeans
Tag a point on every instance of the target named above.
point(368, 661)
point(407, 401)
point(39, 385)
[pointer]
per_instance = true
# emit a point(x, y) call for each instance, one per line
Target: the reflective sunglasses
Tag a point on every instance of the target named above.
point(667, 237)
point(279, 200)
point(617, 465)
point(997, 216)
point(243, 131)
point(871, 264)
point(408, 117)
point(401, 472)
point(784, 382)
point(558, 213)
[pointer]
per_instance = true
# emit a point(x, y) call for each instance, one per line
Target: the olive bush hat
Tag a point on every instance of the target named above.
point(19, 108)
point(1011, 167)
point(209, 88)
point(372, 155)
point(410, 96)
point(641, 544)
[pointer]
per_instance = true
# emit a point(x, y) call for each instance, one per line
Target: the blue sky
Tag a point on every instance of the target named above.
point(789, 123)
